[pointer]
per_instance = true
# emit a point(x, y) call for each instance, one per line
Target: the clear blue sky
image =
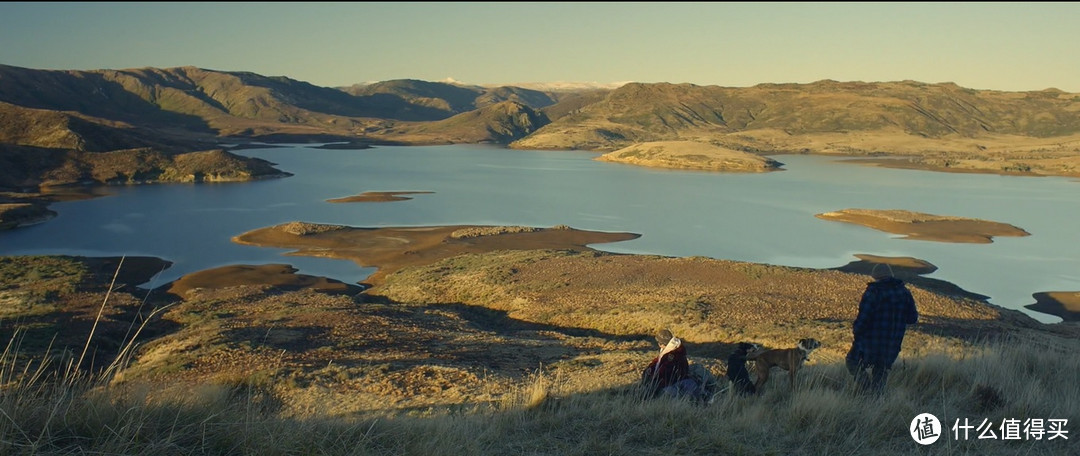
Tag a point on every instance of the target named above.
point(1000, 46)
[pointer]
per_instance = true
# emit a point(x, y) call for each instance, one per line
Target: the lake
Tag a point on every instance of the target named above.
point(766, 218)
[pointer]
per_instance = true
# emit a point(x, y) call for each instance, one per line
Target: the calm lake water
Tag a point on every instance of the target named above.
point(767, 218)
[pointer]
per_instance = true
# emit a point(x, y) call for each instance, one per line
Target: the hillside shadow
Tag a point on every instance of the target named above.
point(912, 275)
point(101, 97)
point(1048, 304)
point(337, 102)
point(522, 345)
point(460, 336)
point(60, 336)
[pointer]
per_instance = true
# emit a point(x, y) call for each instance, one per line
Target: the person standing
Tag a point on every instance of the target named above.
point(885, 310)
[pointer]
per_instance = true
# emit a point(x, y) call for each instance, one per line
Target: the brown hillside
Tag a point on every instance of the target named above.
point(499, 123)
point(444, 100)
point(931, 110)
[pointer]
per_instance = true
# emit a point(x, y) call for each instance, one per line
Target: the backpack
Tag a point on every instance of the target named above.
point(707, 383)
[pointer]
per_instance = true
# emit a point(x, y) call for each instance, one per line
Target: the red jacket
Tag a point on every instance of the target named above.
point(666, 371)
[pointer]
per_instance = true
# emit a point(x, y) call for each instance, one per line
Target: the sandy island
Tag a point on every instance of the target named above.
point(926, 227)
point(375, 197)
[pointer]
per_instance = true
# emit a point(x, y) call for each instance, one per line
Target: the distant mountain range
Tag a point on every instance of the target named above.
point(65, 115)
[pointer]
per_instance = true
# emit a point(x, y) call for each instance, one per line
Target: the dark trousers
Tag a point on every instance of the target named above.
point(873, 381)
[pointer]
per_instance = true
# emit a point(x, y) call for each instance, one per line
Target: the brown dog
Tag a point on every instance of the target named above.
point(789, 359)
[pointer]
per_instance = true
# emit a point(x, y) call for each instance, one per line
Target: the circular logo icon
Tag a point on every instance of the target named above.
point(925, 429)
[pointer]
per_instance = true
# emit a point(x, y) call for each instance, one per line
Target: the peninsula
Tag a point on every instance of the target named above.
point(690, 155)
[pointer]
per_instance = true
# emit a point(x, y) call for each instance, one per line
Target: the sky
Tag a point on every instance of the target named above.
point(995, 46)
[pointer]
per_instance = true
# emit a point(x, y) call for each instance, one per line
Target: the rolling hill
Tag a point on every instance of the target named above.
point(636, 112)
point(446, 100)
point(51, 114)
point(502, 122)
point(52, 123)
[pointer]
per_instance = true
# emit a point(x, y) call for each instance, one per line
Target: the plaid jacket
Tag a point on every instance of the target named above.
point(885, 310)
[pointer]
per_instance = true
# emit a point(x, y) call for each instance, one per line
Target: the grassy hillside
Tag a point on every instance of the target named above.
point(26, 167)
point(193, 98)
point(445, 100)
point(664, 111)
point(532, 352)
point(501, 123)
point(690, 155)
point(572, 102)
point(50, 120)
point(542, 415)
point(65, 130)
point(941, 126)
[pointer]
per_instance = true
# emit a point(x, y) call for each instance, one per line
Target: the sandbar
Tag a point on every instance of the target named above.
point(926, 227)
point(375, 197)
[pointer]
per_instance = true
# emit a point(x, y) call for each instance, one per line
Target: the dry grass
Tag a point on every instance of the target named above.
point(514, 352)
point(547, 414)
point(490, 354)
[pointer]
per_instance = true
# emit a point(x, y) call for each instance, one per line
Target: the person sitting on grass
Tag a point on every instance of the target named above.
point(669, 373)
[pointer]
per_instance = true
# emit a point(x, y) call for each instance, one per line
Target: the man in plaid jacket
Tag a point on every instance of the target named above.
point(885, 310)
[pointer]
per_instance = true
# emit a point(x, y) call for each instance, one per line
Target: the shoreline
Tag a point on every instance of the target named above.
point(905, 162)
point(101, 190)
point(392, 249)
